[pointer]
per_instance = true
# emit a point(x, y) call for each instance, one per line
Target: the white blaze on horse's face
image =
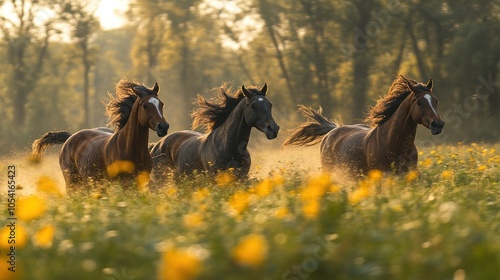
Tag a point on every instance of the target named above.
point(156, 102)
point(429, 99)
point(260, 99)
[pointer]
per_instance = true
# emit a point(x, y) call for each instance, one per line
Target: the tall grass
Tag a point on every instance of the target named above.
point(443, 223)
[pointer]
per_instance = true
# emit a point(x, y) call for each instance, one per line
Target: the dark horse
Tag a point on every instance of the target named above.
point(228, 119)
point(98, 153)
point(388, 145)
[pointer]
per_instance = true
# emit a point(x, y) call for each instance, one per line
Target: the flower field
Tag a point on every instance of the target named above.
point(285, 223)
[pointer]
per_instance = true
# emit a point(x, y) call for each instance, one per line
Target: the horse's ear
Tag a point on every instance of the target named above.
point(156, 88)
point(245, 92)
point(139, 91)
point(263, 90)
point(429, 84)
point(409, 85)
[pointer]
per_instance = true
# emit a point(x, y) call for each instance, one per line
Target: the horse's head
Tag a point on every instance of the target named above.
point(424, 107)
point(151, 109)
point(258, 111)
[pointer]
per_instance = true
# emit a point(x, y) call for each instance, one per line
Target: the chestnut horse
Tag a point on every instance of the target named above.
point(101, 153)
point(228, 119)
point(386, 145)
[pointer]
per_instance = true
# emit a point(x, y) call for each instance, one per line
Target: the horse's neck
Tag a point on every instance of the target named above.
point(398, 132)
point(132, 139)
point(234, 133)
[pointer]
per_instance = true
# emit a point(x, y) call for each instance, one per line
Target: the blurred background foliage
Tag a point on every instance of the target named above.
point(58, 64)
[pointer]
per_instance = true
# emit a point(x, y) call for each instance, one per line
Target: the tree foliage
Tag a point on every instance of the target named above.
point(340, 55)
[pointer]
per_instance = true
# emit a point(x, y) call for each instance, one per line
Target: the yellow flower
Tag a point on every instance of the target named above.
point(14, 235)
point(482, 168)
point(447, 174)
point(359, 194)
point(201, 194)
point(264, 188)
point(316, 187)
point(43, 238)
point(251, 251)
point(311, 209)
point(375, 174)
point(48, 186)
point(30, 208)
point(179, 264)
point(224, 178)
point(411, 176)
point(120, 167)
point(427, 162)
point(239, 202)
point(281, 212)
point(193, 220)
point(171, 191)
point(142, 180)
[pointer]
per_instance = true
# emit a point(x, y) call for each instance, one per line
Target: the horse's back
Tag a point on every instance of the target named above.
point(82, 152)
point(177, 151)
point(342, 148)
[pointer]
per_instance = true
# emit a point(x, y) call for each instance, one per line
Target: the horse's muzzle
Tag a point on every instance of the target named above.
point(162, 129)
point(271, 131)
point(436, 127)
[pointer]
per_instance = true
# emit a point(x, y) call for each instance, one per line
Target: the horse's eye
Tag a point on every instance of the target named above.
point(252, 106)
point(418, 103)
point(144, 106)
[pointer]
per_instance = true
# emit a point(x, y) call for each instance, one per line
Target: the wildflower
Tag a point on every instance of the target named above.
point(43, 237)
point(179, 264)
point(201, 194)
point(30, 208)
point(264, 187)
point(193, 220)
point(171, 191)
point(142, 180)
point(311, 209)
point(120, 167)
point(316, 187)
point(359, 194)
point(375, 174)
point(447, 174)
point(482, 168)
point(427, 162)
point(411, 176)
point(281, 212)
point(224, 178)
point(239, 202)
point(251, 251)
point(48, 186)
point(21, 237)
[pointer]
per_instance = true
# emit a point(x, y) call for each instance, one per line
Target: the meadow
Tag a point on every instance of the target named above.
point(289, 221)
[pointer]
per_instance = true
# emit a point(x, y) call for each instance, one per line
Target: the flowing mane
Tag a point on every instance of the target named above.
point(120, 104)
point(211, 113)
point(387, 105)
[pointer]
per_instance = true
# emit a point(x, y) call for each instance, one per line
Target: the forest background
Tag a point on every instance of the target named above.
point(58, 64)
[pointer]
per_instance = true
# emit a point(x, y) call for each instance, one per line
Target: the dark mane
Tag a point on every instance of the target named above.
point(211, 113)
point(387, 105)
point(120, 104)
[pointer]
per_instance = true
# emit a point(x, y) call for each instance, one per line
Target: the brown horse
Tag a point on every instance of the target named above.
point(228, 119)
point(102, 153)
point(387, 145)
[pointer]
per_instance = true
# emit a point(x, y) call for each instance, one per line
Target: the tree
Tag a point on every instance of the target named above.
point(80, 16)
point(26, 34)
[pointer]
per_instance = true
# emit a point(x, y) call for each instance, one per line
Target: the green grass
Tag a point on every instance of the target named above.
point(444, 225)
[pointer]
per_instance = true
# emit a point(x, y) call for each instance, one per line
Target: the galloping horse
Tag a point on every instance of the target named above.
point(98, 153)
point(228, 119)
point(388, 144)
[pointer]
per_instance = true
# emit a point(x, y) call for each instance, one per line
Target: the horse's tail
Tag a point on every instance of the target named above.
point(48, 139)
point(310, 132)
